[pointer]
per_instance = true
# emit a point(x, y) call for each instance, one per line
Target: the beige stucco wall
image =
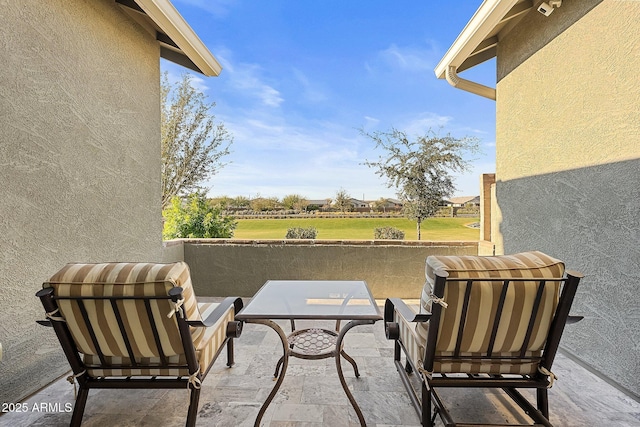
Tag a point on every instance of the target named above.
point(486, 181)
point(568, 165)
point(390, 268)
point(80, 163)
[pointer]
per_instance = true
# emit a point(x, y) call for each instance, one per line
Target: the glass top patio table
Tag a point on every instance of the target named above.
point(312, 299)
point(315, 300)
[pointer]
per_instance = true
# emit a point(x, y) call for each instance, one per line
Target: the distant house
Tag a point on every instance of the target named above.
point(354, 204)
point(80, 132)
point(389, 204)
point(463, 201)
point(395, 203)
point(358, 204)
point(567, 174)
point(318, 203)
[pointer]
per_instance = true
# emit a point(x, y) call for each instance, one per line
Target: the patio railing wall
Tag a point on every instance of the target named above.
point(222, 267)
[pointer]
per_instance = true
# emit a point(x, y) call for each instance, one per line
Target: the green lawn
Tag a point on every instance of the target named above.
point(439, 229)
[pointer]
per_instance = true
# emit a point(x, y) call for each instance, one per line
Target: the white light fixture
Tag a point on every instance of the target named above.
point(546, 8)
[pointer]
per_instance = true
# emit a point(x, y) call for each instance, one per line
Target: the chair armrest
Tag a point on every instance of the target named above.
point(396, 305)
point(399, 306)
point(217, 312)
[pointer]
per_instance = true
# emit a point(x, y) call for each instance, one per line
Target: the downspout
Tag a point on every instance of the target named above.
point(473, 87)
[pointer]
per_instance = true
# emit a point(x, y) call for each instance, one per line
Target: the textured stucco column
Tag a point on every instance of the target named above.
point(80, 155)
point(568, 166)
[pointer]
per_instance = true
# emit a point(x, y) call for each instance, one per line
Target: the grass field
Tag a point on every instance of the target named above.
point(439, 229)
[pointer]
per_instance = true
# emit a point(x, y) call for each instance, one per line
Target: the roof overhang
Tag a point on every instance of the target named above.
point(478, 41)
point(178, 42)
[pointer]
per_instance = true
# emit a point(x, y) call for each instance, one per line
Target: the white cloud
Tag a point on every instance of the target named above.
point(370, 123)
point(314, 160)
point(275, 156)
point(199, 83)
point(265, 128)
point(314, 181)
point(310, 91)
point(222, 54)
point(337, 156)
point(424, 122)
point(418, 59)
point(247, 79)
point(256, 130)
point(407, 58)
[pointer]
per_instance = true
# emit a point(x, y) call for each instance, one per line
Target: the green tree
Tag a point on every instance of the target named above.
point(259, 203)
point(195, 217)
point(241, 202)
point(342, 200)
point(294, 202)
point(420, 169)
point(380, 205)
point(225, 202)
point(193, 144)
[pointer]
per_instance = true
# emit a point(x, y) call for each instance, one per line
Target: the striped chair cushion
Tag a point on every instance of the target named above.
point(133, 279)
point(481, 312)
point(207, 342)
point(415, 348)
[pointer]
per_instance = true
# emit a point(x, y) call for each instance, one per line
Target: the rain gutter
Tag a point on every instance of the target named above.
point(482, 23)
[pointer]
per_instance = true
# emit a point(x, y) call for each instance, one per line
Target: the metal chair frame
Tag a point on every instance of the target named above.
point(431, 380)
point(87, 382)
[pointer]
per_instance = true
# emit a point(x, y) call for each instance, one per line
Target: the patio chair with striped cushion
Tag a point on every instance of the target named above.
point(137, 325)
point(491, 322)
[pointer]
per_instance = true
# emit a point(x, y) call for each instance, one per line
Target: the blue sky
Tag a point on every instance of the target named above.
point(301, 77)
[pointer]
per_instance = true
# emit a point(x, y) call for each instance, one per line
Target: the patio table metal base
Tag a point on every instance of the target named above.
point(315, 344)
point(312, 343)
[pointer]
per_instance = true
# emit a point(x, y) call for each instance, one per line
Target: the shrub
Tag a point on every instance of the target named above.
point(301, 233)
point(468, 209)
point(194, 217)
point(444, 211)
point(388, 233)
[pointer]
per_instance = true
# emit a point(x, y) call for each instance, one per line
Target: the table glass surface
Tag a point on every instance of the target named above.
point(312, 299)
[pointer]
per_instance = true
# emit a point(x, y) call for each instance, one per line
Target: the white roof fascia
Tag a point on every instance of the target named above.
point(486, 18)
point(165, 15)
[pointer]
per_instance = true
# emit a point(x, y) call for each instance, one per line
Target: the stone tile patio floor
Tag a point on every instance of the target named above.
point(311, 395)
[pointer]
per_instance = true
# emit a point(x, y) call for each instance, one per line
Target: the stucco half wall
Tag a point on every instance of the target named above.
point(80, 155)
point(568, 166)
point(222, 267)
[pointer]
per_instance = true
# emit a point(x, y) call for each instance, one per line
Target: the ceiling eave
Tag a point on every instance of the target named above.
point(178, 42)
point(479, 39)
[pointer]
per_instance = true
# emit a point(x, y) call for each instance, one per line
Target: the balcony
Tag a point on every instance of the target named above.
point(311, 394)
